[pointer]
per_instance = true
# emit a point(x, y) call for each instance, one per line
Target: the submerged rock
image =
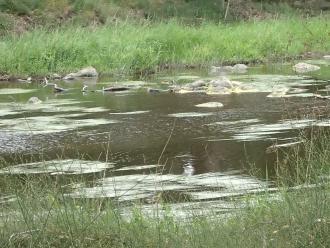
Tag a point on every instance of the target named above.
point(238, 68)
point(34, 100)
point(304, 68)
point(196, 85)
point(152, 90)
point(85, 72)
point(221, 69)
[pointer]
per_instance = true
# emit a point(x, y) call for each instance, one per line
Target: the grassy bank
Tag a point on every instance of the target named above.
point(43, 217)
point(300, 220)
point(127, 47)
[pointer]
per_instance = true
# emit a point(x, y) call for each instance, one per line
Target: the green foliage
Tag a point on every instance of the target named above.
point(127, 47)
point(20, 6)
point(6, 23)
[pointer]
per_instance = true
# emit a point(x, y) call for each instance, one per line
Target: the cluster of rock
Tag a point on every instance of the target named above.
point(220, 86)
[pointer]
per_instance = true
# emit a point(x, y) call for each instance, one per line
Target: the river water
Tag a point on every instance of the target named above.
point(140, 146)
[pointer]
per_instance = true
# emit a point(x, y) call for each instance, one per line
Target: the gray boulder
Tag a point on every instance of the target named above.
point(194, 86)
point(222, 82)
point(239, 68)
point(85, 72)
point(304, 68)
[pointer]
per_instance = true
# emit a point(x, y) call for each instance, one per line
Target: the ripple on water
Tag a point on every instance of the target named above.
point(133, 187)
point(48, 124)
point(266, 131)
point(190, 114)
point(131, 112)
point(11, 91)
point(210, 105)
point(58, 167)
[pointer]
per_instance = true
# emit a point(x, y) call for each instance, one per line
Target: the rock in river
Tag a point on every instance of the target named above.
point(34, 100)
point(85, 72)
point(304, 68)
point(238, 68)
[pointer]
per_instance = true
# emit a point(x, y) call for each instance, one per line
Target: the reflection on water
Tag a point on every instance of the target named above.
point(196, 144)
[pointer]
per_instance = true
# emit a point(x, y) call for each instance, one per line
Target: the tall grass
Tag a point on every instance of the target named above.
point(127, 47)
point(43, 216)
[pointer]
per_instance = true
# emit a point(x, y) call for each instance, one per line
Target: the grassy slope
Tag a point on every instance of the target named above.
point(128, 47)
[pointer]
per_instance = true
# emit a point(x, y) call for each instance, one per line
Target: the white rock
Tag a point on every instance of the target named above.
point(326, 57)
point(239, 68)
point(304, 67)
point(85, 72)
point(34, 100)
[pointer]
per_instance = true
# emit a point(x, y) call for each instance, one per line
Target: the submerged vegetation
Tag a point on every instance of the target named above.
point(128, 47)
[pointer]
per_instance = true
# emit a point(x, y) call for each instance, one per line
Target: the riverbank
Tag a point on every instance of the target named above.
point(143, 48)
point(43, 216)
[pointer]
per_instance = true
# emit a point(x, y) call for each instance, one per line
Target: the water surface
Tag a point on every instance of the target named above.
point(138, 144)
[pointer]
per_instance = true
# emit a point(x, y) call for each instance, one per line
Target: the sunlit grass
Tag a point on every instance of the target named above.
point(128, 48)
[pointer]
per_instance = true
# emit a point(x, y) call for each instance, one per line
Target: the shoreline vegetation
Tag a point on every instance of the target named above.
point(143, 48)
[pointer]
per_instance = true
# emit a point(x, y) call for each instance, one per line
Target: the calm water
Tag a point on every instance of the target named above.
point(126, 135)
